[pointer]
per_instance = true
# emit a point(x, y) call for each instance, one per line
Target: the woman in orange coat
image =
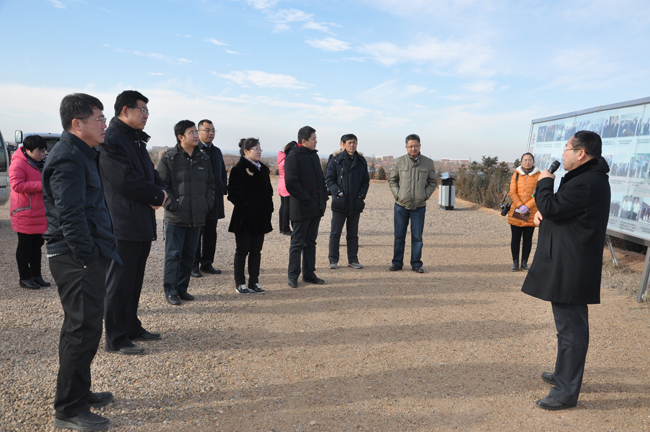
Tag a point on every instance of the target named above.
point(522, 187)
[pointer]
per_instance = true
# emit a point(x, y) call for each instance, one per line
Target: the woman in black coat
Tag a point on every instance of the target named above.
point(249, 189)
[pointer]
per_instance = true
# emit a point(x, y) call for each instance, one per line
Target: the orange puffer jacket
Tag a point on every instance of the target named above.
point(521, 193)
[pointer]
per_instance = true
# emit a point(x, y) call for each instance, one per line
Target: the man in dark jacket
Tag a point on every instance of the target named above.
point(205, 251)
point(80, 243)
point(306, 185)
point(134, 191)
point(348, 180)
point(187, 174)
point(569, 258)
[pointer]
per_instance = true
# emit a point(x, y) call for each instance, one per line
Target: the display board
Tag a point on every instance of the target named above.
point(625, 130)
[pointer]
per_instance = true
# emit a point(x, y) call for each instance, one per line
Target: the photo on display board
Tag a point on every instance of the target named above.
point(643, 128)
point(541, 134)
point(639, 165)
point(610, 129)
point(645, 211)
point(542, 161)
point(615, 205)
point(630, 207)
point(620, 165)
point(628, 124)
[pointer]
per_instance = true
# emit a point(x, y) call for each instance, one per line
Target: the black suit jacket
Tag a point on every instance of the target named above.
point(305, 183)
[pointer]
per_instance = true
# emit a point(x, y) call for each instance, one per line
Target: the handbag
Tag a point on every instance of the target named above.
point(505, 208)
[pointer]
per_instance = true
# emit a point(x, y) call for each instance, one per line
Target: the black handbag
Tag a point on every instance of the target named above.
point(505, 208)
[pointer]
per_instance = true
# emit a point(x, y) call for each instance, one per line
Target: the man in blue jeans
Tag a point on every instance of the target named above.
point(412, 181)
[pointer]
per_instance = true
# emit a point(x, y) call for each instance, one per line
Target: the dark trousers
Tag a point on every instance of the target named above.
point(572, 323)
point(352, 236)
point(28, 255)
point(248, 245)
point(180, 247)
point(402, 216)
point(123, 288)
point(303, 244)
point(517, 233)
point(82, 292)
point(284, 214)
point(207, 244)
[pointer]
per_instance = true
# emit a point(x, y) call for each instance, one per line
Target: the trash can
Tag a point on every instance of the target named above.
point(447, 192)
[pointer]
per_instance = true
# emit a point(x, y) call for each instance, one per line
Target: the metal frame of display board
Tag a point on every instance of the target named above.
point(645, 276)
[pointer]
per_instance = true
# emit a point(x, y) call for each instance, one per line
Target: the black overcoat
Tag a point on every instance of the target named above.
point(250, 190)
point(220, 180)
point(305, 183)
point(350, 178)
point(131, 183)
point(569, 256)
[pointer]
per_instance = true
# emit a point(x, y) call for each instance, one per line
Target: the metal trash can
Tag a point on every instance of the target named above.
point(447, 192)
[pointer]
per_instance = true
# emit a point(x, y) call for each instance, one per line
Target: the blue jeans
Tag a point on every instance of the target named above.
point(402, 217)
point(180, 247)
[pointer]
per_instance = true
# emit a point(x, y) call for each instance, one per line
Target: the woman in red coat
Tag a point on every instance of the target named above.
point(27, 209)
point(522, 187)
point(282, 190)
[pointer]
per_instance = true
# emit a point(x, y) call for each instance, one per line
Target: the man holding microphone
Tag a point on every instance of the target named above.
point(568, 261)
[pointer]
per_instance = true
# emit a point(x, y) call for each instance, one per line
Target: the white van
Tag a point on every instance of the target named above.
point(5, 190)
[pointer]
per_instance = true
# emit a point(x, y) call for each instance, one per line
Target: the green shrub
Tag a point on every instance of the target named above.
point(486, 183)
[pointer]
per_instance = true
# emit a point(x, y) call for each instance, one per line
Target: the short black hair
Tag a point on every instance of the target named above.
point(181, 127)
point(529, 154)
point(590, 142)
point(77, 106)
point(305, 133)
point(348, 137)
point(289, 147)
point(412, 137)
point(34, 142)
point(247, 144)
point(129, 99)
point(204, 121)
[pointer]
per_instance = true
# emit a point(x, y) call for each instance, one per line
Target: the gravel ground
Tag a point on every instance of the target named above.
point(456, 348)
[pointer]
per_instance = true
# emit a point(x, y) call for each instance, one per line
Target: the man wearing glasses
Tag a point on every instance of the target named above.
point(412, 181)
point(134, 191)
point(187, 174)
point(569, 258)
point(80, 243)
point(208, 241)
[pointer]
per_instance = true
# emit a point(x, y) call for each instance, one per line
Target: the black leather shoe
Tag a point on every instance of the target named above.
point(147, 336)
point(173, 300)
point(548, 377)
point(515, 265)
point(314, 280)
point(293, 283)
point(132, 349)
point(185, 296)
point(418, 269)
point(85, 421)
point(97, 400)
point(394, 268)
point(524, 265)
point(40, 281)
point(210, 269)
point(287, 233)
point(196, 273)
point(29, 284)
point(548, 403)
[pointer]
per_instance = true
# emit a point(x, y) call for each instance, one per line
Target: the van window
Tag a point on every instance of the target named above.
point(3, 155)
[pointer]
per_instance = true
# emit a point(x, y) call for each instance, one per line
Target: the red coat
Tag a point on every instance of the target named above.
point(282, 188)
point(26, 203)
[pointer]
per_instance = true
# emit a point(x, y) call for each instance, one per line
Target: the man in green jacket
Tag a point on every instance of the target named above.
point(412, 181)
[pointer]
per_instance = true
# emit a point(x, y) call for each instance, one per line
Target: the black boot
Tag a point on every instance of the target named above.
point(515, 265)
point(524, 265)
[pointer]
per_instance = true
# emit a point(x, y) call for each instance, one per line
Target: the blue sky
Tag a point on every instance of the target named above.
point(468, 76)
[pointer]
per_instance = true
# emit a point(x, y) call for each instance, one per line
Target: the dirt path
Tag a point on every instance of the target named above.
point(457, 348)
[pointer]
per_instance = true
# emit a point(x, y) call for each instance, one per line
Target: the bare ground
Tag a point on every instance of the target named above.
point(457, 348)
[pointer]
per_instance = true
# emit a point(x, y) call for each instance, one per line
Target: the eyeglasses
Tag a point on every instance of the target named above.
point(256, 148)
point(208, 130)
point(414, 147)
point(145, 110)
point(101, 119)
point(193, 132)
point(571, 148)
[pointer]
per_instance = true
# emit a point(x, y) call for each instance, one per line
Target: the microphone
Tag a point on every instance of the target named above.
point(554, 166)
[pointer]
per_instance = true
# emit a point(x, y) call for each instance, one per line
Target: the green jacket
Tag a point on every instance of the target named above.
point(413, 181)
